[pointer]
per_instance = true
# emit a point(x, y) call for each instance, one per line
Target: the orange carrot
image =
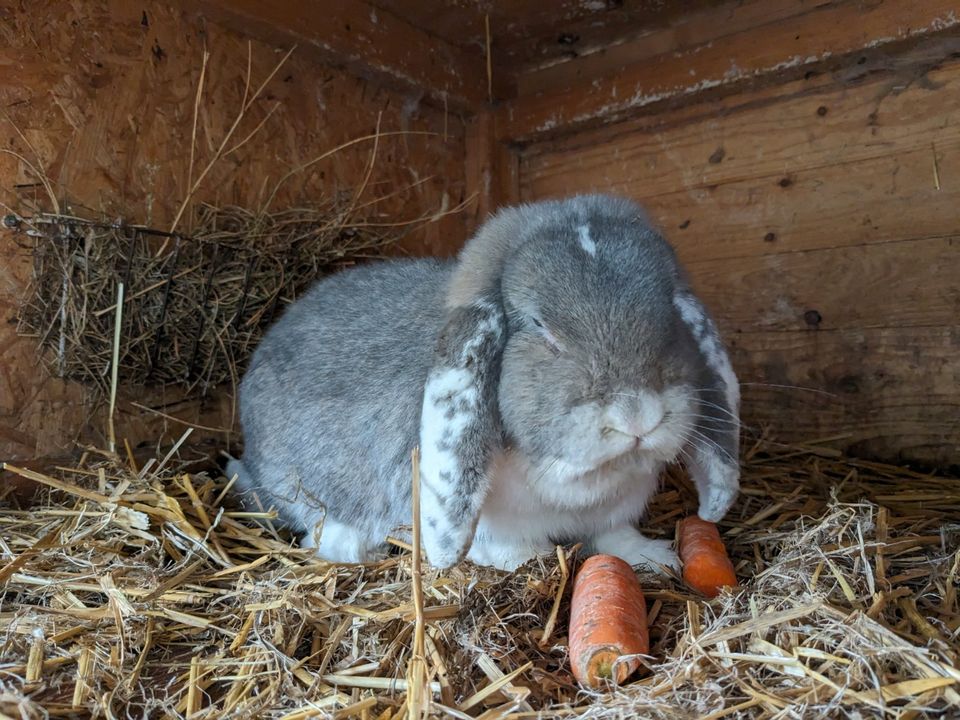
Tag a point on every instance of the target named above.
point(706, 567)
point(608, 619)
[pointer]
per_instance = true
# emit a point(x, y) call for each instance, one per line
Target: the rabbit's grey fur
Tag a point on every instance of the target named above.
point(548, 374)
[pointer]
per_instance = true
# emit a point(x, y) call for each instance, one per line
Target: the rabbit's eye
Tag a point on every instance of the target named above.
point(548, 336)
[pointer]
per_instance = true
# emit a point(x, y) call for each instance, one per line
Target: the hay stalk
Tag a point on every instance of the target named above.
point(142, 591)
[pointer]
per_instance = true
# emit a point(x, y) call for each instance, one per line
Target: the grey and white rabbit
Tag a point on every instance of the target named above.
point(548, 374)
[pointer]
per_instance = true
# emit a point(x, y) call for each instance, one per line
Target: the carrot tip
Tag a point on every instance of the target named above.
point(706, 565)
point(608, 622)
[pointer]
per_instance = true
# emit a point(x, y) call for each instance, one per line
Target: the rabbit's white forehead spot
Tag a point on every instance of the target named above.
point(587, 242)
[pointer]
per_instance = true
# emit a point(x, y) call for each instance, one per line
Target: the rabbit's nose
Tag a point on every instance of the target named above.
point(644, 426)
point(642, 419)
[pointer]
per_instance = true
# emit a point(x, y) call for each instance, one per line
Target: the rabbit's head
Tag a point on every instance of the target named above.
point(597, 361)
point(577, 340)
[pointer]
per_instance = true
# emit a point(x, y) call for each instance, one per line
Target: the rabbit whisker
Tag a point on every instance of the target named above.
point(791, 387)
point(543, 473)
point(695, 433)
point(713, 419)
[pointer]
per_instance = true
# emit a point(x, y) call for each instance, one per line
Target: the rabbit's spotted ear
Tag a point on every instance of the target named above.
point(713, 454)
point(459, 428)
point(460, 422)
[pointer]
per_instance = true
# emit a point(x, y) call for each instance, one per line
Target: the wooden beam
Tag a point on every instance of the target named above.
point(604, 48)
point(367, 41)
point(784, 48)
point(491, 169)
point(781, 132)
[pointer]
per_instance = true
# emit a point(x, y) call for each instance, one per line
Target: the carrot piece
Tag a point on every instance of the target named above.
point(706, 566)
point(608, 619)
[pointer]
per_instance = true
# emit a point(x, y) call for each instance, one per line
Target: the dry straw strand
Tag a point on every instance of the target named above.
point(219, 617)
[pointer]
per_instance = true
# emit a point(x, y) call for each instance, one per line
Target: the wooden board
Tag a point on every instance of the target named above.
point(492, 170)
point(793, 46)
point(371, 44)
point(516, 22)
point(103, 92)
point(821, 208)
point(887, 392)
point(584, 51)
point(818, 220)
point(894, 284)
point(783, 133)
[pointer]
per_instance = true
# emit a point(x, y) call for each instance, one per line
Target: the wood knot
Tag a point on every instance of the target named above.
point(717, 156)
point(812, 318)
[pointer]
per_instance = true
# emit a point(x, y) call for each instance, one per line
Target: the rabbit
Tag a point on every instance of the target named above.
point(548, 374)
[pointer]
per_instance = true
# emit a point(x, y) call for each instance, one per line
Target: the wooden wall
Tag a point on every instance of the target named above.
point(820, 220)
point(801, 154)
point(100, 95)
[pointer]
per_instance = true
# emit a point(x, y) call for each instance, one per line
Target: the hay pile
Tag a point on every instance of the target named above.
point(135, 591)
point(195, 307)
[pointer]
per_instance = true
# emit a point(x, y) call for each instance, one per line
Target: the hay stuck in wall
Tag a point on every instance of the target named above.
point(196, 301)
point(195, 307)
point(139, 592)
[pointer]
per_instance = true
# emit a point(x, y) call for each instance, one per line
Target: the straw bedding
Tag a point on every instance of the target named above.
point(138, 591)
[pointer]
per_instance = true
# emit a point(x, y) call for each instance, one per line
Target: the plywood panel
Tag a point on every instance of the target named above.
point(103, 93)
point(371, 44)
point(887, 392)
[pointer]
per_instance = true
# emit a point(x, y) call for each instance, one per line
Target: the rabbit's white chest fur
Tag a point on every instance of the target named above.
point(529, 507)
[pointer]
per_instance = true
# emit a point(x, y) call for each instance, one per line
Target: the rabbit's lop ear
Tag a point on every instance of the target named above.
point(460, 422)
point(713, 452)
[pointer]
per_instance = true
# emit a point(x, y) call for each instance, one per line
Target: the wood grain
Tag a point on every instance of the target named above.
point(104, 94)
point(857, 203)
point(791, 46)
point(517, 23)
point(818, 221)
point(492, 170)
point(905, 109)
point(355, 36)
point(904, 283)
point(598, 49)
point(888, 392)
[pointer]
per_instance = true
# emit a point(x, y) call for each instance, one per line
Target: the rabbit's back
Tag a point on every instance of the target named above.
point(330, 404)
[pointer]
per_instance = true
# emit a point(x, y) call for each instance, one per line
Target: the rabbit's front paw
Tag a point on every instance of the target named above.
point(337, 542)
point(634, 547)
point(503, 555)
